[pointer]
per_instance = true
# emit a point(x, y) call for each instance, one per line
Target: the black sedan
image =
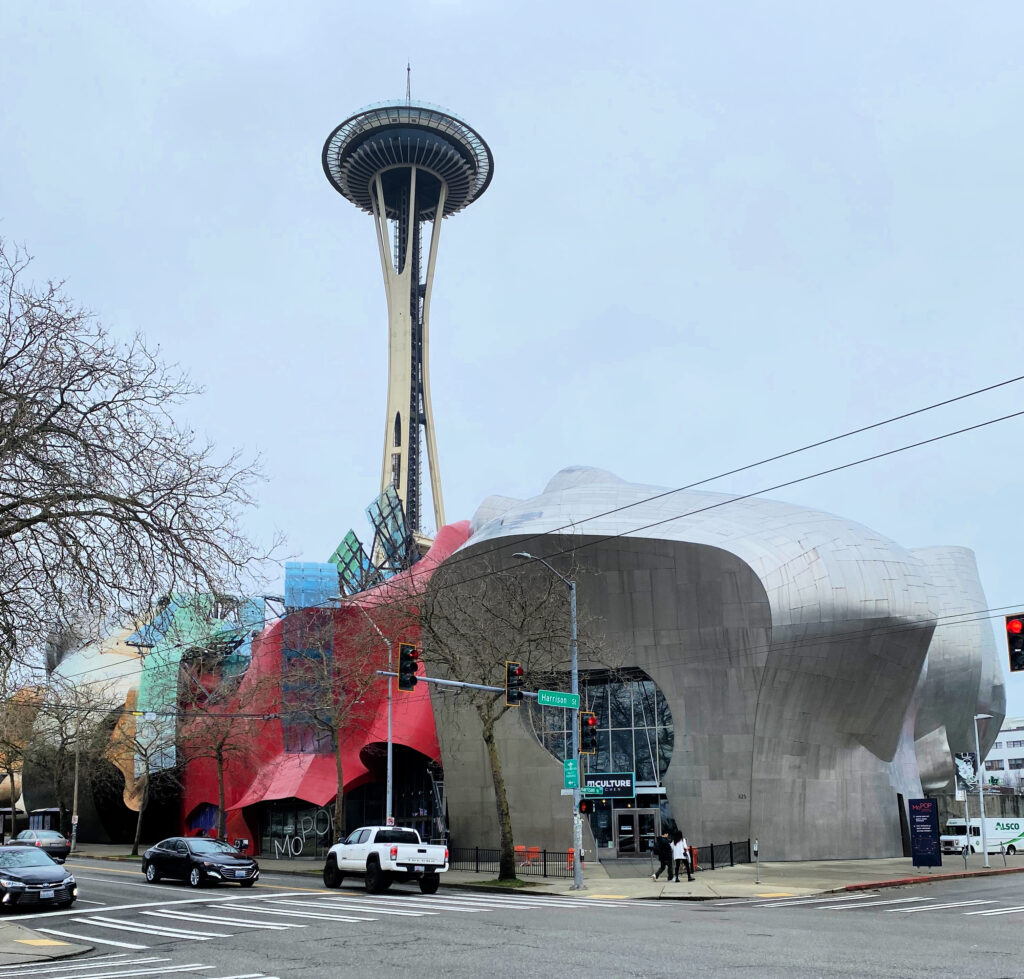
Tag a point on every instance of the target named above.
point(29, 878)
point(56, 845)
point(199, 861)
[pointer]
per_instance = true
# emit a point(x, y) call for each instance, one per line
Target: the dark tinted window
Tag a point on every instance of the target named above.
point(211, 846)
point(165, 845)
point(179, 846)
point(22, 856)
point(397, 836)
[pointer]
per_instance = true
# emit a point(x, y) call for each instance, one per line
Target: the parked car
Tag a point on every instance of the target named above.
point(56, 845)
point(29, 878)
point(199, 861)
point(383, 855)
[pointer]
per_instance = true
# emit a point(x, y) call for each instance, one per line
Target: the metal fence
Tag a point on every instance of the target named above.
point(530, 861)
point(533, 861)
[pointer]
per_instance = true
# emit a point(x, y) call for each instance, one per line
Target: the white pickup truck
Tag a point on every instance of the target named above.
point(384, 855)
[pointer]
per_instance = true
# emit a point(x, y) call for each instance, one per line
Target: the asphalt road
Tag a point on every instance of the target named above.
point(290, 927)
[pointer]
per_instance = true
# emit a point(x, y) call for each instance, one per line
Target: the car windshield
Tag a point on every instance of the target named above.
point(24, 857)
point(212, 846)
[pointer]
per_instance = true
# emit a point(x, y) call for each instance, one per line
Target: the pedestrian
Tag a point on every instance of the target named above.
point(663, 851)
point(681, 854)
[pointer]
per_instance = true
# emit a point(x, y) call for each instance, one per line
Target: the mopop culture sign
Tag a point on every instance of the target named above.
point(613, 785)
point(924, 832)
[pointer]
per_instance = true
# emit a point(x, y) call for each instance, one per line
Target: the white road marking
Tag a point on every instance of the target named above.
point(303, 914)
point(873, 904)
point(161, 971)
point(239, 922)
point(113, 958)
point(993, 911)
point(147, 929)
point(227, 898)
point(815, 900)
point(89, 938)
point(358, 905)
point(939, 907)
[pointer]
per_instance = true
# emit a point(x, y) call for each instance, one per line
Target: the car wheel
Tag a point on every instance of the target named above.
point(195, 877)
point(246, 883)
point(1011, 850)
point(429, 883)
point(376, 880)
point(332, 876)
point(151, 875)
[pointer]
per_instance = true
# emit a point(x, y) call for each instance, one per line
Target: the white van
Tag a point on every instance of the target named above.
point(1005, 834)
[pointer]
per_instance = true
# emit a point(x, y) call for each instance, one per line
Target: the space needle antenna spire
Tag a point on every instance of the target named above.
point(408, 83)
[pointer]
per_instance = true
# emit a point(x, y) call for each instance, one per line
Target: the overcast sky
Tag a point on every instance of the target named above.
point(715, 232)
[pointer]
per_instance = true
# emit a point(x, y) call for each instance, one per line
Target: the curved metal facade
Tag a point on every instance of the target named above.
point(810, 663)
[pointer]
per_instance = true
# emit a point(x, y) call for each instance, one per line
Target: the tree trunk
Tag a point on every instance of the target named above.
point(339, 799)
point(507, 860)
point(143, 802)
point(222, 818)
point(14, 808)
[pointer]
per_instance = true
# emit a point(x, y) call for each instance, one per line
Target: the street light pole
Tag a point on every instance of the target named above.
point(387, 642)
point(981, 792)
point(574, 687)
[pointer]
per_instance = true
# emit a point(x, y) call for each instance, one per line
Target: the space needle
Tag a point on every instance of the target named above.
point(408, 164)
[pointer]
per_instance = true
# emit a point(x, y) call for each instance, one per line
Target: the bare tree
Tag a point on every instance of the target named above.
point(62, 742)
point(18, 713)
point(474, 618)
point(327, 676)
point(106, 501)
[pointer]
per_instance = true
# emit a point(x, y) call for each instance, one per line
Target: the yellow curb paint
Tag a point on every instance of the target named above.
point(607, 897)
point(39, 941)
point(777, 894)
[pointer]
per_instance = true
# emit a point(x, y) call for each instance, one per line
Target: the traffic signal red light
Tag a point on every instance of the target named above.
point(513, 684)
point(1015, 641)
point(588, 732)
point(408, 664)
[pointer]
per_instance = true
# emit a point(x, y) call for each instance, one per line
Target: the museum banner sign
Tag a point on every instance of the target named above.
point(613, 785)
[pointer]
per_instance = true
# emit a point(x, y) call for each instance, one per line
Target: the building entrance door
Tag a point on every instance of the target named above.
point(635, 831)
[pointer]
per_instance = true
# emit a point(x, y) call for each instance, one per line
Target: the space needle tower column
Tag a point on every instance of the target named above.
point(408, 164)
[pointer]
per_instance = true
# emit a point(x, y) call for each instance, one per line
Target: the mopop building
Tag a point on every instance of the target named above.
point(787, 674)
point(409, 164)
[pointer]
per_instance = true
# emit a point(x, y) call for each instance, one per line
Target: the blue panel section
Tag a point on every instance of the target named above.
point(308, 584)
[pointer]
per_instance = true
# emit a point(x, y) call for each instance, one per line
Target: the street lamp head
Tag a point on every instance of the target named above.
point(978, 717)
point(525, 555)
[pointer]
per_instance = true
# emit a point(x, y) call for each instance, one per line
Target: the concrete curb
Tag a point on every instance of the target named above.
point(929, 878)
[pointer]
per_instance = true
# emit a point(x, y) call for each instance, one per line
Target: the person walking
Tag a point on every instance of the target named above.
point(663, 851)
point(681, 854)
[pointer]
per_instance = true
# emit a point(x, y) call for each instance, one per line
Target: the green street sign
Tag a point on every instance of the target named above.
point(590, 790)
point(554, 698)
point(571, 773)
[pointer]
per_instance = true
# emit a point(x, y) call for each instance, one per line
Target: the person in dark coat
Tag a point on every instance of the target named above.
point(663, 851)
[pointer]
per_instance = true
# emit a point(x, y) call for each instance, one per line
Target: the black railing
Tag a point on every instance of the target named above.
point(533, 861)
point(530, 862)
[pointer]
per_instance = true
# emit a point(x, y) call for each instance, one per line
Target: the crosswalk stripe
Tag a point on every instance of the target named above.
point(372, 904)
point(359, 906)
point(89, 938)
point(160, 971)
point(237, 922)
point(994, 911)
point(302, 914)
point(814, 900)
point(112, 958)
point(872, 904)
point(146, 929)
point(939, 907)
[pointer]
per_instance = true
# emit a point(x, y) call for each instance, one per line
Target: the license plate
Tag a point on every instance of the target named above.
point(45, 895)
point(239, 873)
point(418, 869)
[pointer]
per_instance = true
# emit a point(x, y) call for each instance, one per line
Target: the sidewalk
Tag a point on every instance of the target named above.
point(20, 945)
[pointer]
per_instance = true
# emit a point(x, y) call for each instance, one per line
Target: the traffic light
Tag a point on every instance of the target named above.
point(1015, 641)
point(588, 732)
point(513, 684)
point(408, 664)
